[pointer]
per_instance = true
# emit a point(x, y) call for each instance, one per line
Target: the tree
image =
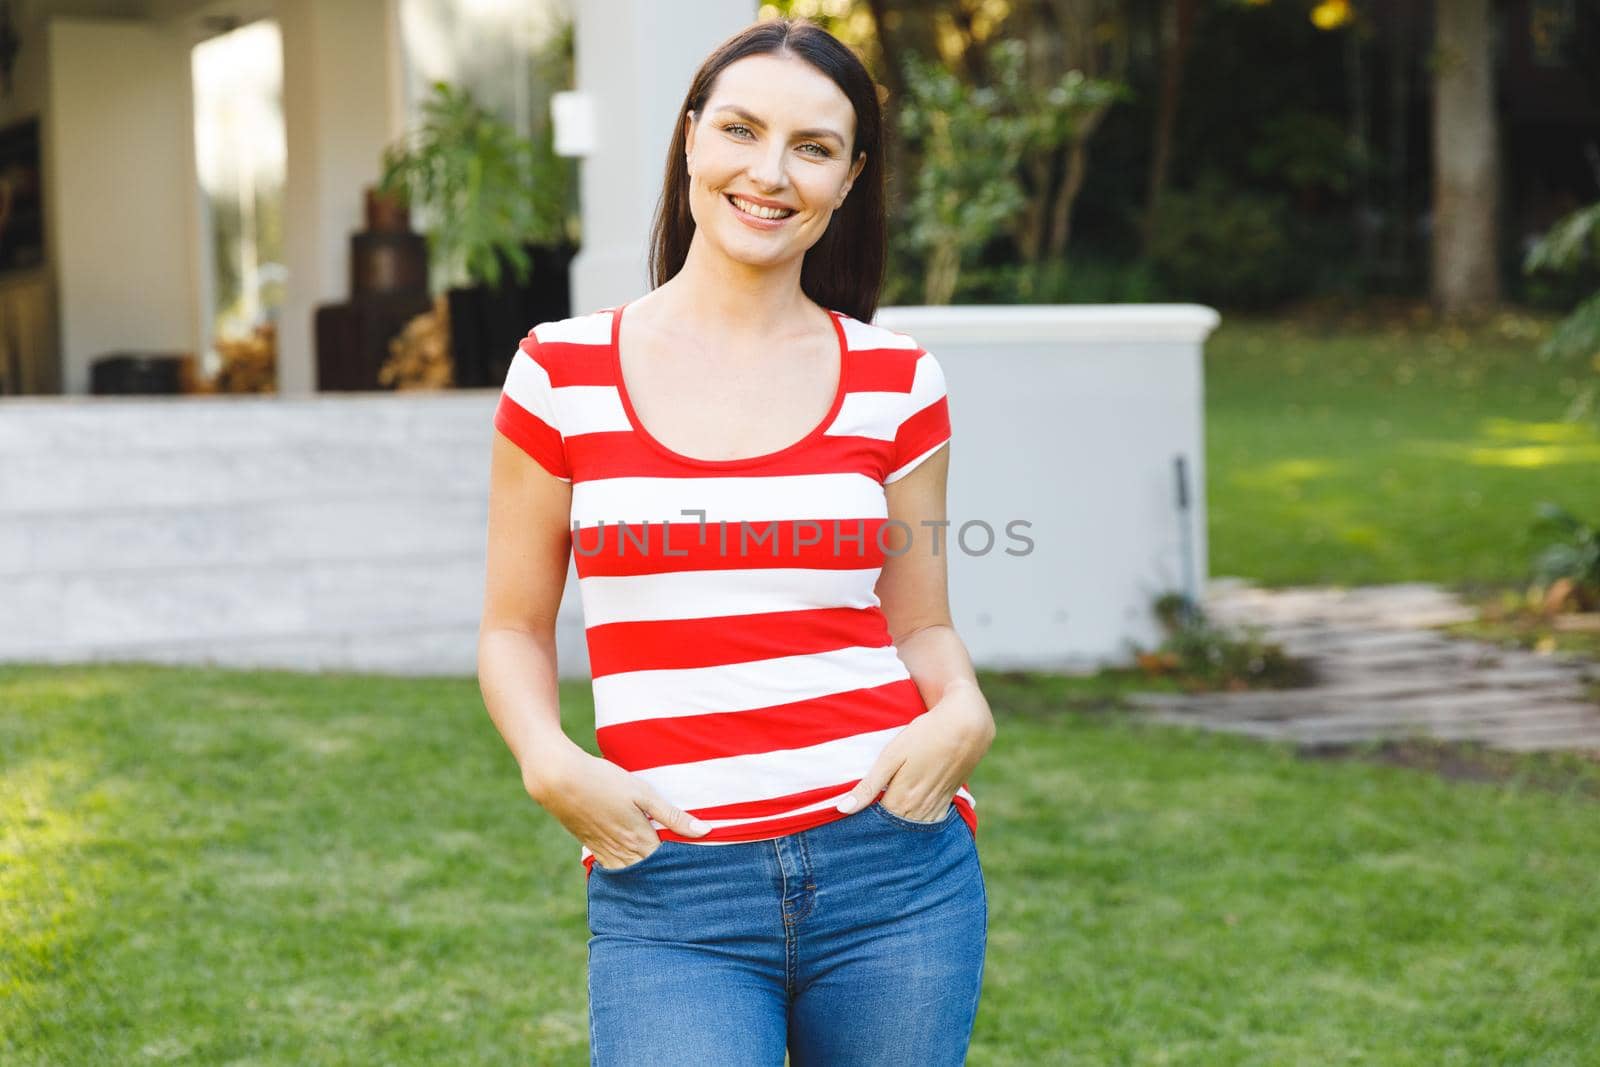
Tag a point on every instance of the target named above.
point(1078, 52)
point(1177, 19)
point(1465, 275)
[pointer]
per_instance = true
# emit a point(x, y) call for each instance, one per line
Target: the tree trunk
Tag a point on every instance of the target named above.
point(1061, 213)
point(1465, 275)
point(1397, 253)
point(1361, 139)
point(1177, 33)
point(901, 29)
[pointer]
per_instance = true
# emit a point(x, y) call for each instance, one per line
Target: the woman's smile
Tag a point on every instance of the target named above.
point(756, 215)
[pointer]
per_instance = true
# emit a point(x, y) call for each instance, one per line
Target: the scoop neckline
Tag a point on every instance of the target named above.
point(743, 461)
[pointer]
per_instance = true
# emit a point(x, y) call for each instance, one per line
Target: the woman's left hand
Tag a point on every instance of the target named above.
point(928, 760)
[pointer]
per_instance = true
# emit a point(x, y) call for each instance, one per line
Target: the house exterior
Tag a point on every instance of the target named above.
point(318, 530)
point(126, 257)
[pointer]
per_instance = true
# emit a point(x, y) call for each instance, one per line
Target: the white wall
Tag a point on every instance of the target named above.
point(346, 531)
point(336, 531)
point(121, 203)
point(1068, 417)
point(341, 93)
point(634, 61)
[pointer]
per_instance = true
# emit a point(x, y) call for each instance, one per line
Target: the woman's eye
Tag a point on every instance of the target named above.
point(738, 129)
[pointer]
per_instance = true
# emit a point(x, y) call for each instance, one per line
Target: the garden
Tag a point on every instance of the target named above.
point(231, 866)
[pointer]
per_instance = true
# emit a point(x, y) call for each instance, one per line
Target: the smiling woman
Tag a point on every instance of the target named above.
point(774, 672)
point(788, 122)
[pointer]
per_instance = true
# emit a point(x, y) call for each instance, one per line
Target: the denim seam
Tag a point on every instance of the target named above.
point(783, 918)
point(809, 886)
point(594, 1050)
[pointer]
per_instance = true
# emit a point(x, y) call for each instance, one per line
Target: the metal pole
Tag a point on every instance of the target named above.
point(1186, 539)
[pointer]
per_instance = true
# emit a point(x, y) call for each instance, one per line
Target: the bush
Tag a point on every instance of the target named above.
point(1225, 247)
point(1572, 563)
point(1200, 654)
point(1079, 280)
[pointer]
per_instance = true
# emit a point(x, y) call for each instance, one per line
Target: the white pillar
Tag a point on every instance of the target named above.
point(339, 111)
point(634, 59)
point(118, 142)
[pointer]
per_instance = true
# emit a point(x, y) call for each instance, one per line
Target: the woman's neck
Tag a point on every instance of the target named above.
point(746, 301)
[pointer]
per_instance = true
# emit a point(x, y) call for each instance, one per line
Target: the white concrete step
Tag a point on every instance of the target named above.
point(205, 475)
point(349, 526)
point(86, 425)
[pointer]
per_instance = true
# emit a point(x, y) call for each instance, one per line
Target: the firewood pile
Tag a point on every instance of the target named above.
point(419, 358)
point(248, 363)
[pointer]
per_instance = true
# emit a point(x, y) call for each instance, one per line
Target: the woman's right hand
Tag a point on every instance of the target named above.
point(606, 808)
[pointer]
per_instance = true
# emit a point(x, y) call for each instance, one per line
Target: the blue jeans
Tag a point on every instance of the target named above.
point(860, 941)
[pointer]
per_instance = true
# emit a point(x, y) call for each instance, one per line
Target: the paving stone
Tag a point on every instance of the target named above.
point(1589, 740)
point(1484, 723)
point(1383, 673)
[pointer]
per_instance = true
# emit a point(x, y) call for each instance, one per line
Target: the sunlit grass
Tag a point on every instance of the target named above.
point(1376, 455)
point(213, 867)
point(1524, 456)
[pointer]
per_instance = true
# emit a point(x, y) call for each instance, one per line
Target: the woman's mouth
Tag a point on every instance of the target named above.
point(757, 215)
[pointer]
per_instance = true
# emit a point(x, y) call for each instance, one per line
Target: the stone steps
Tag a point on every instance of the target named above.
point(334, 531)
point(1378, 678)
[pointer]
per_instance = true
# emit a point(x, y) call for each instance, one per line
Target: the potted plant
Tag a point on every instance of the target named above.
point(499, 234)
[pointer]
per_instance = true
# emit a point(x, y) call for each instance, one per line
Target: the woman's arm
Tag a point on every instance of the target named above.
point(529, 544)
point(530, 540)
point(920, 770)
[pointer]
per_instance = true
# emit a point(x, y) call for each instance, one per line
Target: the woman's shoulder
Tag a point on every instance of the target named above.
point(872, 337)
point(585, 328)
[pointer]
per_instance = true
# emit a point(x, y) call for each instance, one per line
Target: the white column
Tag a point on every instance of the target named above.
point(339, 112)
point(634, 59)
point(118, 144)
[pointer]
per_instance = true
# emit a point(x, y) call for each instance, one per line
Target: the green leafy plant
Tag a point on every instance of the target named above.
point(1201, 654)
point(1574, 559)
point(966, 187)
point(486, 190)
point(1569, 246)
point(1084, 279)
point(972, 142)
point(1307, 151)
point(1225, 246)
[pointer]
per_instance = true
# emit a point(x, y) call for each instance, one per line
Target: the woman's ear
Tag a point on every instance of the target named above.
point(688, 135)
point(855, 172)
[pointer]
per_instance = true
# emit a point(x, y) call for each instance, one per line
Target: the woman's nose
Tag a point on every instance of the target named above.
point(768, 171)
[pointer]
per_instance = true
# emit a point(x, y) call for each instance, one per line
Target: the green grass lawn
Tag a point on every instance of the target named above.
point(268, 868)
point(1352, 454)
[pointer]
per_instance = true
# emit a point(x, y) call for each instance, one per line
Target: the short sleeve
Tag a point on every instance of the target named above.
point(925, 425)
point(526, 412)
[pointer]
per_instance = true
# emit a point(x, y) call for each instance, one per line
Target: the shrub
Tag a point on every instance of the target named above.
point(1201, 654)
point(1573, 562)
point(1225, 247)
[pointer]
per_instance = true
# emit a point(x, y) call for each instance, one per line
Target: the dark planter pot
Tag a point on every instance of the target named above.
point(486, 323)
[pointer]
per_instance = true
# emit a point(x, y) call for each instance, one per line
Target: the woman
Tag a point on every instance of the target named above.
point(752, 479)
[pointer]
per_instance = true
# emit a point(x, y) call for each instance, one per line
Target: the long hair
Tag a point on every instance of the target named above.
point(844, 269)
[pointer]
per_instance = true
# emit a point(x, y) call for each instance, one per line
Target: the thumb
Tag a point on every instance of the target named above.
point(869, 786)
point(673, 817)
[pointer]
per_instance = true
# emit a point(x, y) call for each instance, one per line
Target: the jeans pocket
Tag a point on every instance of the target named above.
point(627, 868)
point(914, 824)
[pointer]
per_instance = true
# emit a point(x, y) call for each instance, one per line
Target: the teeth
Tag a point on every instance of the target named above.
point(759, 211)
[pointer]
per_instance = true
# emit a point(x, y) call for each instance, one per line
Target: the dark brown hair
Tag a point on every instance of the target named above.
point(844, 269)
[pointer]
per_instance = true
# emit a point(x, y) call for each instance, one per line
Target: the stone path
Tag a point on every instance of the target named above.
point(1383, 674)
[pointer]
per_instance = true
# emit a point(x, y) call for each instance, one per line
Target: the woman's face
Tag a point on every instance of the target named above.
point(773, 137)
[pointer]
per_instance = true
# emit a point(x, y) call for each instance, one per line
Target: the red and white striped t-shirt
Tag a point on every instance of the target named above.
point(741, 661)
